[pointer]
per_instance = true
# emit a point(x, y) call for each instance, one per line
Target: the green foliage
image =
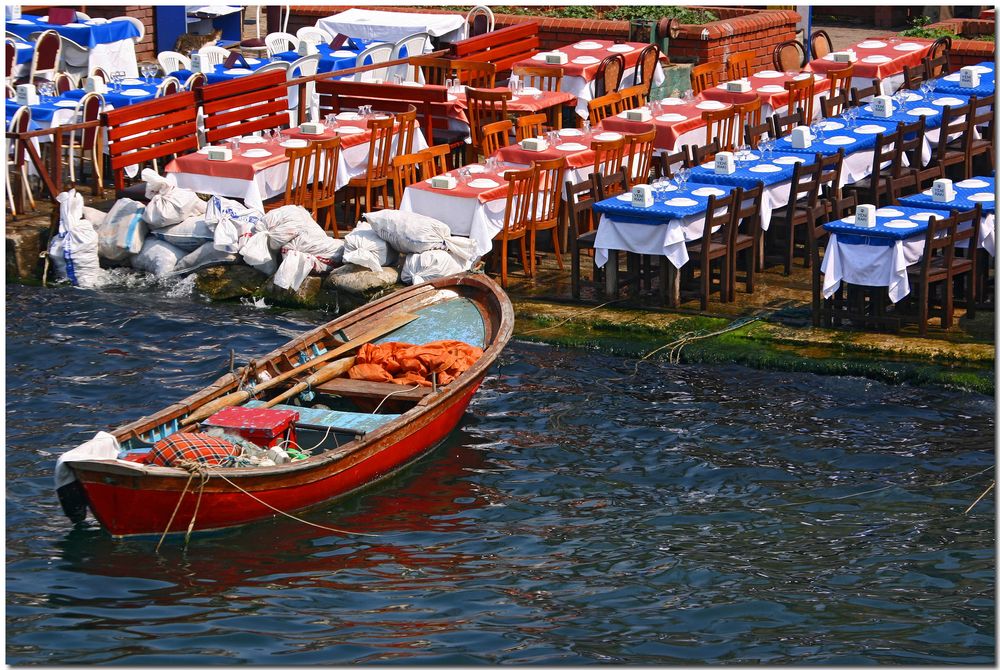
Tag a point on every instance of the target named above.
point(918, 28)
point(575, 12)
point(655, 13)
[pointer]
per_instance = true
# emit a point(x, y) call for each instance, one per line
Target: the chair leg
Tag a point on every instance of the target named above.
point(574, 273)
point(531, 253)
point(923, 308)
point(503, 263)
point(949, 303)
point(706, 282)
point(555, 246)
point(524, 255)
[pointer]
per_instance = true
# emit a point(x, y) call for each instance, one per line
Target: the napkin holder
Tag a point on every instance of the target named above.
point(968, 77)
point(942, 190)
point(195, 62)
point(801, 137)
point(220, 154)
point(338, 41)
point(641, 114)
point(27, 94)
point(534, 144)
point(445, 181)
point(864, 216)
point(882, 106)
point(60, 16)
point(12, 12)
point(95, 85)
point(738, 86)
point(556, 58)
point(642, 195)
point(844, 56)
point(235, 59)
point(725, 163)
point(312, 128)
point(306, 48)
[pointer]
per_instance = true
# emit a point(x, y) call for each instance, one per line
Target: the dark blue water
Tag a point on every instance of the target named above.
point(683, 515)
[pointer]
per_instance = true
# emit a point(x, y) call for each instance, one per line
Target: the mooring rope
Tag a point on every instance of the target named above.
point(176, 507)
point(379, 405)
point(568, 319)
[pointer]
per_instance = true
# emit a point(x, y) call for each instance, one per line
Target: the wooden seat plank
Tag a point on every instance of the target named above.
point(358, 423)
point(357, 388)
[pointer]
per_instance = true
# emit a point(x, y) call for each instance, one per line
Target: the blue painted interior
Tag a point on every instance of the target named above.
point(454, 319)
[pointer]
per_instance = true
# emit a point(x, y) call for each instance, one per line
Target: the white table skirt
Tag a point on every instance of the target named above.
point(368, 24)
point(466, 217)
point(114, 57)
point(267, 183)
point(666, 239)
point(584, 90)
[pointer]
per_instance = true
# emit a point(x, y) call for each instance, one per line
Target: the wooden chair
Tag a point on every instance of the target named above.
point(914, 75)
point(436, 159)
point(789, 56)
point(19, 122)
point(753, 133)
point(720, 217)
point(609, 156)
point(407, 169)
point(834, 105)
point(954, 135)
point(376, 177)
point(324, 194)
point(820, 44)
point(840, 80)
point(747, 235)
point(521, 186)
point(484, 107)
point(530, 125)
point(609, 75)
point(645, 68)
point(860, 96)
point(632, 97)
point(827, 311)
point(739, 65)
point(747, 116)
point(496, 136)
point(406, 128)
point(470, 73)
point(607, 185)
point(720, 125)
point(542, 78)
point(830, 191)
point(782, 125)
point(983, 116)
point(800, 96)
point(799, 212)
point(938, 59)
point(298, 187)
point(911, 177)
point(602, 107)
point(703, 153)
point(966, 258)
point(934, 270)
point(705, 76)
point(665, 164)
point(544, 212)
point(639, 154)
point(582, 231)
point(877, 187)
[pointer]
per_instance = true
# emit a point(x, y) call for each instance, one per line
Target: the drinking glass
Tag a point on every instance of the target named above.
point(925, 88)
point(689, 96)
point(683, 174)
point(331, 121)
point(586, 127)
point(931, 85)
point(120, 78)
point(235, 142)
point(449, 84)
point(744, 151)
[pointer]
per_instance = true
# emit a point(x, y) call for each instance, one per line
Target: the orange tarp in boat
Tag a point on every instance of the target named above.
point(403, 363)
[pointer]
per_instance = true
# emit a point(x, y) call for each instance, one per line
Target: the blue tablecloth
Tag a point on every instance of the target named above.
point(917, 102)
point(24, 52)
point(861, 141)
point(41, 113)
point(881, 234)
point(745, 177)
point(961, 202)
point(662, 210)
point(220, 73)
point(81, 33)
point(118, 99)
point(327, 61)
point(987, 82)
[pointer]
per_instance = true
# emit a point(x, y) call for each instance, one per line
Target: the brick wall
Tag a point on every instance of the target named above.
point(969, 52)
point(145, 49)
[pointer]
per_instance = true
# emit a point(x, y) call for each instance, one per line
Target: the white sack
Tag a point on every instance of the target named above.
point(189, 234)
point(101, 447)
point(408, 232)
point(168, 205)
point(276, 229)
point(123, 231)
point(157, 257)
point(95, 216)
point(205, 256)
point(433, 264)
point(363, 246)
point(307, 254)
point(233, 223)
point(75, 244)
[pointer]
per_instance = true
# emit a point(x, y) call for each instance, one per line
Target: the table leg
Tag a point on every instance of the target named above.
point(611, 274)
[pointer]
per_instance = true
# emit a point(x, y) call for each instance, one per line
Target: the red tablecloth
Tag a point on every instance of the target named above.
point(896, 53)
point(586, 71)
point(667, 132)
point(466, 191)
point(574, 159)
point(240, 167)
point(346, 140)
point(774, 94)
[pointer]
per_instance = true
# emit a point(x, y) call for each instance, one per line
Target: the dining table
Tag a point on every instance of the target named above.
point(978, 190)
point(330, 59)
point(881, 58)
point(769, 86)
point(857, 139)
point(529, 101)
point(382, 26)
point(952, 83)
point(222, 73)
point(677, 121)
point(110, 44)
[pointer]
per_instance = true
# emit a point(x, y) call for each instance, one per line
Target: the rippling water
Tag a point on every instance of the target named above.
point(584, 513)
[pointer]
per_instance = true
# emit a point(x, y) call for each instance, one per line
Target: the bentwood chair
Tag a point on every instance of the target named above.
point(820, 44)
point(376, 176)
point(789, 56)
point(19, 122)
point(705, 76)
point(542, 78)
point(530, 125)
point(649, 58)
point(938, 59)
point(45, 60)
point(481, 21)
point(521, 185)
point(88, 142)
point(609, 75)
point(739, 65)
point(64, 83)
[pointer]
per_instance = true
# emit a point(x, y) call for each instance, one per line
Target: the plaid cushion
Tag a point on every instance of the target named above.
point(192, 447)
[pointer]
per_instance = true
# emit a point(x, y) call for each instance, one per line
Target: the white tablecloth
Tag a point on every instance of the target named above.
point(665, 239)
point(466, 217)
point(370, 24)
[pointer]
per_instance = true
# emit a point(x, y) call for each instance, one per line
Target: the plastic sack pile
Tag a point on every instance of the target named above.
point(178, 233)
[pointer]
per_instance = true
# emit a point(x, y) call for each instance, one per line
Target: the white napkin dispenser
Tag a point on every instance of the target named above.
point(306, 48)
point(725, 163)
point(968, 77)
point(12, 12)
point(801, 137)
point(220, 154)
point(195, 62)
point(844, 56)
point(534, 144)
point(556, 58)
point(95, 85)
point(864, 216)
point(27, 94)
point(942, 190)
point(642, 195)
point(641, 114)
point(312, 128)
point(445, 181)
point(738, 86)
point(882, 106)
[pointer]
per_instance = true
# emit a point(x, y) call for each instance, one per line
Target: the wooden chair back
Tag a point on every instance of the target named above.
point(914, 75)
point(546, 196)
point(609, 156)
point(705, 76)
point(64, 83)
point(747, 115)
point(639, 154)
point(496, 136)
point(436, 160)
point(298, 187)
point(470, 73)
point(517, 214)
point(938, 59)
point(840, 80)
point(530, 125)
point(407, 169)
point(667, 164)
point(956, 122)
point(936, 266)
point(649, 57)
point(782, 125)
point(406, 129)
point(739, 65)
point(543, 78)
point(754, 133)
point(336, 95)
point(829, 178)
point(820, 44)
point(632, 97)
point(604, 106)
point(609, 75)
point(327, 160)
point(244, 105)
point(699, 154)
point(379, 148)
point(720, 125)
point(860, 96)
point(484, 107)
point(789, 56)
point(833, 105)
point(800, 95)
point(607, 185)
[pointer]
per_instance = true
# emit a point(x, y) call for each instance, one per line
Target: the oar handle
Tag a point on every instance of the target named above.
point(325, 373)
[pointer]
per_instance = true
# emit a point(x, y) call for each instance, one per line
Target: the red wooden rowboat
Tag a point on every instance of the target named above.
point(356, 446)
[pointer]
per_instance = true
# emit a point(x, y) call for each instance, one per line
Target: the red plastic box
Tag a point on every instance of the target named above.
point(264, 427)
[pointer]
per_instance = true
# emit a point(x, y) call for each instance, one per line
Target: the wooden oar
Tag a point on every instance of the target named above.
point(239, 397)
point(325, 373)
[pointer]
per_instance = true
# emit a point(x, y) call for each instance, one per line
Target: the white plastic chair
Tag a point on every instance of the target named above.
point(172, 61)
point(74, 58)
point(76, 136)
point(168, 86)
point(376, 53)
point(313, 34)
point(414, 45)
point(274, 65)
point(303, 67)
point(80, 16)
point(211, 56)
point(135, 22)
point(470, 18)
point(281, 42)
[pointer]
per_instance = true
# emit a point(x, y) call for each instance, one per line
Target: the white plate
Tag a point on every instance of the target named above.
point(570, 146)
point(672, 102)
point(75, 25)
point(848, 219)
point(43, 19)
point(66, 103)
point(711, 105)
point(252, 61)
point(452, 97)
point(239, 70)
point(901, 223)
point(948, 102)
point(483, 183)
point(789, 160)
point(256, 153)
point(135, 92)
point(531, 90)
point(99, 21)
point(925, 216)
point(20, 22)
point(294, 144)
point(476, 168)
point(585, 60)
point(710, 165)
point(539, 57)
point(624, 197)
point(869, 129)
point(607, 137)
point(348, 130)
point(982, 197)
point(877, 58)
point(872, 44)
point(769, 74)
point(682, 202)
point(982, 69)
point(771, 88)
point(913, 97)
point(953, 77)
point(587, 46)
point(908, 46)
point(252, 139)
point(410, 83)
point(840, 140)
point(341, 53)
point(972, 183)
point(765, 168)
point(22, 45)
point(348, 116)
point(832, 125)
point(571, 132)
point(888, 211)
point(621, 49)
point(923, 111)
point(707, 191)
point(671, 118)
point(133, 82)
point(804, 75)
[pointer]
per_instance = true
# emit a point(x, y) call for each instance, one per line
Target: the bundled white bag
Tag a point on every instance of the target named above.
point(73, 250)
point(276, 229)
point(205, 256)
point(95, 216)
point(307, 254)
point(233, 223)
point(123, 231)
point(157, 257)
point(189, 234)
point(433, 264)
point(363, 246)
point(168, 205)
